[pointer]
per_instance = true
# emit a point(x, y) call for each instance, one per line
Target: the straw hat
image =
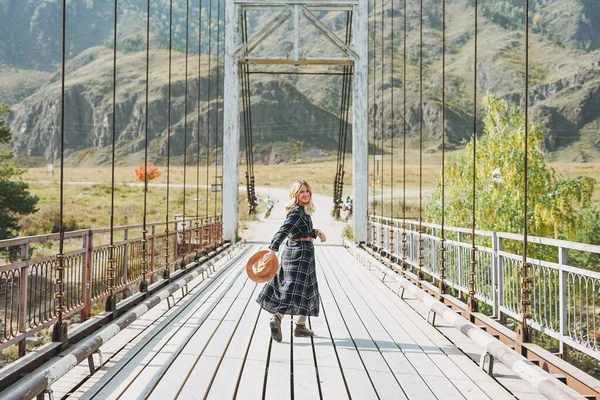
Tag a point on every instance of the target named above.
point(260, 272)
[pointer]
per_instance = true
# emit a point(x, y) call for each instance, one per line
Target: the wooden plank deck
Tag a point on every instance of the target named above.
point(369, 344)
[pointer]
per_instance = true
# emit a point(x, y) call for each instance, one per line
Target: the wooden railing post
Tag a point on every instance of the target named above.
point(88, 276)
point(23, 287)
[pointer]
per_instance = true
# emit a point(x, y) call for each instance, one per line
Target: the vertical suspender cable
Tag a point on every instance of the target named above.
point(197, 224)
point(144, 282)
point(167, 271)
point(110, 300)
point(404, 139)
point(217, 112)
point(472, 302)
point(382, 102)
point(525, 330)
point(443, 234)
point(185, 112)
point(420, 273)
point(374, 125)
point(208, 113)
point(381, 124)
point(59, 333)
point(392, 127)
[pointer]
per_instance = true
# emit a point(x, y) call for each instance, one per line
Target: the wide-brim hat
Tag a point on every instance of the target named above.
point(260, 272)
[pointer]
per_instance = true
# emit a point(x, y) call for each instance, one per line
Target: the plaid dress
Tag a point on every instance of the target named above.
point(293, 290)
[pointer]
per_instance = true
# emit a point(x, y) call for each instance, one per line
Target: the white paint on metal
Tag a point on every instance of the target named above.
point(359, 123)
point(59, 368)
point(108, 333)
point(231, 123)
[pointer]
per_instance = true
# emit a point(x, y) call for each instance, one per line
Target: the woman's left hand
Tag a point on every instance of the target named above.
point(321, 235)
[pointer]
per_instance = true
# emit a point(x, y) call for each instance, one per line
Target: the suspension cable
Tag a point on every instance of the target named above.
point(144, 282)
point(421, 257)
point(472, 302)
point(381, 124)
point(525, 279)
point(374, 124)
point(404, 140)
point(197, 224)
point(392, 127)
point(217, 109)
point(208, 112)
point(185, 112)
point(443, 235)
point(110, 300)
point(167, 271)
point(59, 333)
point(338, 185)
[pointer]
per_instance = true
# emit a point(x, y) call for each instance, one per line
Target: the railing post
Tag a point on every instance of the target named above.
point(87, 275)
point(460, 262)
point(562, 292)
point(495, 277)
point(125, 259)
point(152, 266)
point(23, 287)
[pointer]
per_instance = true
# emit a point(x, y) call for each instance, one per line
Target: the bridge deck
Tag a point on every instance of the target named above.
point(368, 344)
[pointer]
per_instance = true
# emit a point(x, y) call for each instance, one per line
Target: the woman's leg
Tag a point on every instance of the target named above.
point(275, 325)
point(301, 329)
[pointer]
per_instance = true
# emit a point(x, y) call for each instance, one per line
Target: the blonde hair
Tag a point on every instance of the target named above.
point(294, 191)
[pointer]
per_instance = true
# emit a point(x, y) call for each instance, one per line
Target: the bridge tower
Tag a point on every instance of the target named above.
point(237, 53)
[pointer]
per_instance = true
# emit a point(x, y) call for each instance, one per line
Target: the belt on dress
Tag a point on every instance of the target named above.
point(304, 239)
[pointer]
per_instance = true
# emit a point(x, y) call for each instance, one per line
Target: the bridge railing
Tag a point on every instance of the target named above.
point(28, 277)
point(565, 299)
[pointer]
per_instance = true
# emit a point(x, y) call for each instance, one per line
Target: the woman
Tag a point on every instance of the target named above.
point(294, 290)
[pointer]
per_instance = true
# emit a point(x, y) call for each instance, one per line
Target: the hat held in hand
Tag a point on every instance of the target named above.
point(260, 272)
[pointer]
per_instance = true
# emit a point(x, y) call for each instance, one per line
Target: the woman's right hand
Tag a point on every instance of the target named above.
point(265, 259)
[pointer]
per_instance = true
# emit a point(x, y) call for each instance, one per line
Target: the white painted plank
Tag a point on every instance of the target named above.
point(357, 378)
point(253, 372)
point(401, 330)
point(278, 378)
point(200, 378)
point(384, 380)
point(135, 364)
point(186, 349)
point(226, 378)
point(305, 373)
point(472, 382)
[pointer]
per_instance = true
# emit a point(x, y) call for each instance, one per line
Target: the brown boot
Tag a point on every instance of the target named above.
point(275, 325)
point(302, 331)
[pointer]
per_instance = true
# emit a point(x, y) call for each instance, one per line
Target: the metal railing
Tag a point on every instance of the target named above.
point(565, 298)
point(28, 278)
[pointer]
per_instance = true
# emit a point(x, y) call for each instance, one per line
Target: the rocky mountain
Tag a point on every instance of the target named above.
point(89, 112)
point(564, 69)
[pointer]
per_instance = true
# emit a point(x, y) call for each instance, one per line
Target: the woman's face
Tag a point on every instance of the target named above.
point(303, 196)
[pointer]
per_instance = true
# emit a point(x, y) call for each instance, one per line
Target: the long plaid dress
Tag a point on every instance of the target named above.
point(293, 290)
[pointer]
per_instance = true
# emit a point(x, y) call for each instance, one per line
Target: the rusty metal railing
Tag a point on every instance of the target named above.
point(28, 274)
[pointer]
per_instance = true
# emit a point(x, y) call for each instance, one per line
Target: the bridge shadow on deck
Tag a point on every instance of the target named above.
point(369, 344)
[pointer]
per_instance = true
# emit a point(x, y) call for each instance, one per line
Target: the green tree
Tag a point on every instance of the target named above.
point(557, 207)
point(15, 199)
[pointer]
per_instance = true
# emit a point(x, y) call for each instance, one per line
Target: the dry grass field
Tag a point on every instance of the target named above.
point(88, 200)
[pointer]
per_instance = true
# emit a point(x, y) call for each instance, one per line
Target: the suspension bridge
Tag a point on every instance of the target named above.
point(165, 309)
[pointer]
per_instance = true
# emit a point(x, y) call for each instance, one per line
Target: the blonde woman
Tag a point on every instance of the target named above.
point(294, 290)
